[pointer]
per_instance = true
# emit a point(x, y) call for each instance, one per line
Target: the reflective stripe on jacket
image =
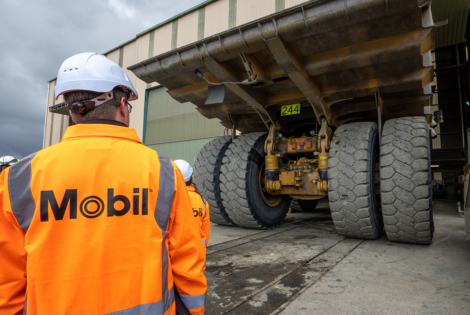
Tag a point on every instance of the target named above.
point(88, 226)
point(201, 213)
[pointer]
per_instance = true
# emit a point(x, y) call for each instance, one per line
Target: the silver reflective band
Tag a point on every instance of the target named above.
point(25, 307)
point(204, 242)
point(205, 206)
point(166, 191)
point(157, 308)
point(168, 297)
point(193, 302)
point(21, 197)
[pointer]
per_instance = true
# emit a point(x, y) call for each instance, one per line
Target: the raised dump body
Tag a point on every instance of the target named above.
point(360, 69)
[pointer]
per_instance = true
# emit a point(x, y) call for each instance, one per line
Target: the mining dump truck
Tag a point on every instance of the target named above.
point(331, 99)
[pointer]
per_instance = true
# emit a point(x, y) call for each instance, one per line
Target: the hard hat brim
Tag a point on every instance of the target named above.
point(92, 86)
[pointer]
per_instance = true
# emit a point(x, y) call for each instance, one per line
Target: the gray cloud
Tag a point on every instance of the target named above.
point(38, 35)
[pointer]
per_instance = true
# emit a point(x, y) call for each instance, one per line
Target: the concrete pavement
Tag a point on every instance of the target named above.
point(304, 267)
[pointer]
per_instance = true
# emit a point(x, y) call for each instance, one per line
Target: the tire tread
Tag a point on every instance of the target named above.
point(349, 187)
point(234, 184)
point(406, 181)
point(207, 177)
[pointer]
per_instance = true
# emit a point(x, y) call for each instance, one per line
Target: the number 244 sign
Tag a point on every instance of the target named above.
point(293, 109)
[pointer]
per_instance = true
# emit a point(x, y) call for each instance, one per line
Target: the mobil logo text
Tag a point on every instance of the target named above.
point(92, 206)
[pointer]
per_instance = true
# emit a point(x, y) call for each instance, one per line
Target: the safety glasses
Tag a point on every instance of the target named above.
point(130, 107)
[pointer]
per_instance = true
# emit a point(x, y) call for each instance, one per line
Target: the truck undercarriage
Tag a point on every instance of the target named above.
point(332, 98)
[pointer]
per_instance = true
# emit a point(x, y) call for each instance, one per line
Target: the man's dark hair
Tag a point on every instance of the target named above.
point(106, 110)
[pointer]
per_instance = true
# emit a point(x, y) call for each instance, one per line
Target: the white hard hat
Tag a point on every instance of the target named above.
point(8, 160)
point(92, 72)
point(185, 169)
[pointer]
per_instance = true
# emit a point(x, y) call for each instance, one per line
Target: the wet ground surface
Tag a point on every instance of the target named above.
point(304, 267)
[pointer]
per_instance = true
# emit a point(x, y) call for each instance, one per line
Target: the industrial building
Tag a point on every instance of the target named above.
point(161, 122)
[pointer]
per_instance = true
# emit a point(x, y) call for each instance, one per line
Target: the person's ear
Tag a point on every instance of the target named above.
point(122, 108)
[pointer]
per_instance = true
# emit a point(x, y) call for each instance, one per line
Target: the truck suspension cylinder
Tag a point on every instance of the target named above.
point(323, 162)
point(272, 167)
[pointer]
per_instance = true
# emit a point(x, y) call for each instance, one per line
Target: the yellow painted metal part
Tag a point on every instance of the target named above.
point(299, 184)
point(323, 157)
point(302, 145)
point(300, 176)
point(271, 160)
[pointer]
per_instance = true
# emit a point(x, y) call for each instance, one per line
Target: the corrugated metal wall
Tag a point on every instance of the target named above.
point(182, 150)
point(177, 130)
point(449, 97)
point(188, 28)
point(456, 12)
point(249, 10)
point(218, 21)
point(169, 120)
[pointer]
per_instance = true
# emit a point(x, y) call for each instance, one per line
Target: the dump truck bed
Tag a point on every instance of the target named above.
point(330, 56)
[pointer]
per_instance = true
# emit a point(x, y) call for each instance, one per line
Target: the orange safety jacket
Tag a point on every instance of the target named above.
point(201, 213)
point(98, 224)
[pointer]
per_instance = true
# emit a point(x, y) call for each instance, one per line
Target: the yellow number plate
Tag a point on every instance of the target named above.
point(293, 109)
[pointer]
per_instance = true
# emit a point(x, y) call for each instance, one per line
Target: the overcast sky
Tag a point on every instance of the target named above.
point(36, 36)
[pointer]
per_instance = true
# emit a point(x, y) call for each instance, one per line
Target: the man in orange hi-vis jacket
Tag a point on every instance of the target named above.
point(79, 233)
point(199, 204)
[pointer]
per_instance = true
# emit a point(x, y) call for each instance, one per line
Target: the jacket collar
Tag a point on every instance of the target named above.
point(100, 130)
point(104, 121)
point(191, 188)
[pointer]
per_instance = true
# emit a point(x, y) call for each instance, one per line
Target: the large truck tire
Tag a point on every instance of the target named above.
point(352, 192)
point(406, 186)
point(307, 205)
point(294, 205)
point(207, 177)
point(241, 182)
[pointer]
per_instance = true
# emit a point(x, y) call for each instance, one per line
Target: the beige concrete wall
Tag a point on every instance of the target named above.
point(187, 29)
point(142, 53)
point(249, 10)
point(114, 56)
point(162, 43)
point(130, 58)
point(142, 46)
point(162, 39)
point(216, 20)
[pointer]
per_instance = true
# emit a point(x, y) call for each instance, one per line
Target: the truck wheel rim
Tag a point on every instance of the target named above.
point(270, 200)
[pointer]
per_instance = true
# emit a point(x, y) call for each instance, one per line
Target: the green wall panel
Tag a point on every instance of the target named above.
point(232, 13)
point(280, 5)
point(151, 43)
point(200, 23)
point(174, 34)
point(168, 120)
point(184, 150)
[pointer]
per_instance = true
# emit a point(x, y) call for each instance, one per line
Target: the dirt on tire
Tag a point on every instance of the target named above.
point(207, 177)
point(239, 185)
point(406, 186)
point(351, 186)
